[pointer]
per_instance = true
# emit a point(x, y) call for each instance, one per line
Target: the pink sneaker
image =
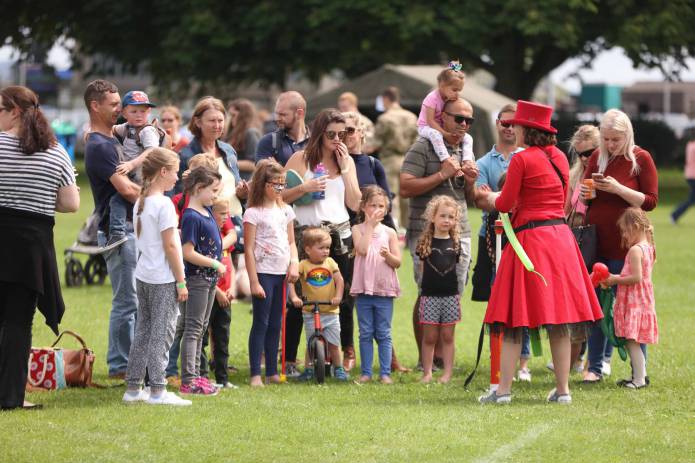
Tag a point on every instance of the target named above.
point(196, 389)
point(205, 383)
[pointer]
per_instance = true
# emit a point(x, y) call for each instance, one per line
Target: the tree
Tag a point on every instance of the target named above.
point(519, 42)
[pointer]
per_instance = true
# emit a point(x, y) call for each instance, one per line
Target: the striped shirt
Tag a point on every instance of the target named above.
point(30, 182)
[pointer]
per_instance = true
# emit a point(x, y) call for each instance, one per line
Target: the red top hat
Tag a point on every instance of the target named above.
point(533, 115)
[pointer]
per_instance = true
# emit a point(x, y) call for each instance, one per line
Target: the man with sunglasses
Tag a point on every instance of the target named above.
point(492, 166)
point(292, 134)
point(424, 176)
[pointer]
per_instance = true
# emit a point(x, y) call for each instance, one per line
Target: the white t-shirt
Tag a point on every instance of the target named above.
point(272, 250)
point(157, 215)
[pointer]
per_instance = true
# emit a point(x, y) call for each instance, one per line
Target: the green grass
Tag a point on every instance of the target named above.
point(405, 422)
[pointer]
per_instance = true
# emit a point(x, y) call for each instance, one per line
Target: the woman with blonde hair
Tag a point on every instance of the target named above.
point(583, 143)
point(624, 175)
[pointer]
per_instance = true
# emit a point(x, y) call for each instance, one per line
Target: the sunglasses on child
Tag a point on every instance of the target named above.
point(277, 186)
point(331, 134)
point(460, 118)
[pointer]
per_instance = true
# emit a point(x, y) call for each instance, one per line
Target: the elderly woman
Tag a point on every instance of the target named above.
point(342, 192)
point(624, 175)
point(207, 126)
point(243, 134)
point(170, 120)
point(566, 305)
point(37, 182)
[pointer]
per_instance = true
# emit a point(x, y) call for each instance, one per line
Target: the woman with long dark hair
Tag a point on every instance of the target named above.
point(37, 181)
point(326, 152)
point(243, 134)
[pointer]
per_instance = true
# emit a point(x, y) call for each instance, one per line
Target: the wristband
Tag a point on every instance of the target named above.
point(181, 285)
point(441, 175)
point(345, 171)
point(215, 265)
point(294, 261)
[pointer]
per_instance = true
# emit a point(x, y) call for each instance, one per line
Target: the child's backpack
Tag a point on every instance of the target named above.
point(164, 138)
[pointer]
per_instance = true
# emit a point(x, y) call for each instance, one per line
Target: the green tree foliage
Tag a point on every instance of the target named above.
point(518, 41)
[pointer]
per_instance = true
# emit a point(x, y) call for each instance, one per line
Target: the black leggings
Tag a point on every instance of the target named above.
point(295, 322)
point(17, 307)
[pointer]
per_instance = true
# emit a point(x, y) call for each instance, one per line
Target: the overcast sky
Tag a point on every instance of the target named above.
point(611, 67)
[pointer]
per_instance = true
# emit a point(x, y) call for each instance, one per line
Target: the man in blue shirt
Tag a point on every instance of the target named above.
point(102, 156)
point(292, 134)
point(491, 167)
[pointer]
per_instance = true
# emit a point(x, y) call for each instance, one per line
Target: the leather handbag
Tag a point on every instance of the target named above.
point(587, 238)
point(78, 363)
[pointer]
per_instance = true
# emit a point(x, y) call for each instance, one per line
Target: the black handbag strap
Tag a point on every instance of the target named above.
point(481, 338)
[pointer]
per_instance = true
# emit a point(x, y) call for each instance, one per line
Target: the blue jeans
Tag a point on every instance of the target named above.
point(525, 345)
point(267, 321)
point(118, 213)
point(124, 304)
point(690, 200)
point(374, 315)
point(600, 349)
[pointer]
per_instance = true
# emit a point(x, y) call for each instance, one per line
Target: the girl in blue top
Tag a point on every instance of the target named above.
point(202, 251)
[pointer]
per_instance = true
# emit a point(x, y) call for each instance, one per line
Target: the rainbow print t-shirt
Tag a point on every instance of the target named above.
point(318, 283)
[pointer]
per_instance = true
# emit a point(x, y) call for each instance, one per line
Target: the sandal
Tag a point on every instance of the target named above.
point(631, 385)
point(564, 399)
point(493, 398)
point(598, 379)
point(622, 382)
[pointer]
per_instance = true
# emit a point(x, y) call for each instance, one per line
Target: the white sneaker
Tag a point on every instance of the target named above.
point(226, 385)
point(524, 375)
point(142, 395)
point(168, 398)
point(493, 398)
point(605, 369)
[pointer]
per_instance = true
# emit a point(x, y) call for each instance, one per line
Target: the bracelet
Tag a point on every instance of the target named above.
point(181, 285)
point(344, 171)
point(294, 261)
point(215, 265)
point(441, 175)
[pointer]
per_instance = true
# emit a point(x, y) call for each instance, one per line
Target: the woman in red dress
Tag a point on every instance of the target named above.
point(536, 188)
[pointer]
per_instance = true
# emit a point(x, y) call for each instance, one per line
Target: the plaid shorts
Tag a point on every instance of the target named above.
point(440, 310)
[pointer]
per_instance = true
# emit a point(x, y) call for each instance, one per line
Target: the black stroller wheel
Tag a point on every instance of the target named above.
point(95, 270)
point(319, 358)
point(73, 272)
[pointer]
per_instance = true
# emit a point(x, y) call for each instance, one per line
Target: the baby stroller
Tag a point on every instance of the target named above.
point(94, 269)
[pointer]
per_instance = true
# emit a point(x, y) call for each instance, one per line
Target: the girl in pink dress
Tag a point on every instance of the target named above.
point(374, 281)
point(633, 312)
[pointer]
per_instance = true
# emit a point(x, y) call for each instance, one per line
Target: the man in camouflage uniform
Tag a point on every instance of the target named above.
point(395, 132)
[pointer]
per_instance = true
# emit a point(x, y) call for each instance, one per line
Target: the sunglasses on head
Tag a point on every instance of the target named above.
point(586, 154)
point(460, 118)
point(331, 134)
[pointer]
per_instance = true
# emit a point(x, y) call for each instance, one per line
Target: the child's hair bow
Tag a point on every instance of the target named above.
point(455, 66)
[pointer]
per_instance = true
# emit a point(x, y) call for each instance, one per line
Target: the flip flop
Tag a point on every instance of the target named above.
point(631, 385)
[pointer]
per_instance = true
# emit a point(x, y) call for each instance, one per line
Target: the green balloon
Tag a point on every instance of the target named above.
point(518, 249)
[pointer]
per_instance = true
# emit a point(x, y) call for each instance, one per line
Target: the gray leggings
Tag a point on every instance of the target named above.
point(196, 313)
point(154, 332)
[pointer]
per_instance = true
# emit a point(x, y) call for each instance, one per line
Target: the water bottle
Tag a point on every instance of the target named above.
point(319, 171)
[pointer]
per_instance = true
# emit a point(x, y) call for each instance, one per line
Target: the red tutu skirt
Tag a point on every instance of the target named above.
point(520, 298)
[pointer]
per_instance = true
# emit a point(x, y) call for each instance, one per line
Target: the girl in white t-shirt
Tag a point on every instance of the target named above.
point(160, 281)
point(271, 257)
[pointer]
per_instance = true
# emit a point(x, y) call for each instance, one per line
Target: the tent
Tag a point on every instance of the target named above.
point(414, 83)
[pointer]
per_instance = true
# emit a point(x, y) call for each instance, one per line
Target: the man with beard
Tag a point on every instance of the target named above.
point(291, 135)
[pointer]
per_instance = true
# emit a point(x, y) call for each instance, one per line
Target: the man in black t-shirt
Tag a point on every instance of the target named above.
point(102, 156)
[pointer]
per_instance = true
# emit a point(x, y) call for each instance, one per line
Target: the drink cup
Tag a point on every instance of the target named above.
point(591, 191)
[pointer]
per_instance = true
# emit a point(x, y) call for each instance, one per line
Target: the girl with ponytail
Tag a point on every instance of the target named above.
point(160, 281)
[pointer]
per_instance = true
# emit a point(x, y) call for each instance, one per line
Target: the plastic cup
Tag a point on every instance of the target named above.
point(591, 190)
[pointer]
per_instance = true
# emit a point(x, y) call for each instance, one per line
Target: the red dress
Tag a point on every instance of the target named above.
point(520, 298)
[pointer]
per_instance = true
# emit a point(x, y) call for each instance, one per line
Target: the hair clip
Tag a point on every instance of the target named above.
point(455, 66)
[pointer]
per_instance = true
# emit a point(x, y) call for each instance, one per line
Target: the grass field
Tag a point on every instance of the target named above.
point(404, 422)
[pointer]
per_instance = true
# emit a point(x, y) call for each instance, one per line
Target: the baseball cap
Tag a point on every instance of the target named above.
point(136, 97)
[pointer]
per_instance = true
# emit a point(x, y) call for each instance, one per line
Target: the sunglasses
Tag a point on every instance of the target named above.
point(460, 118)
point(586, 154)
point(350, 130)
point(166, 120)
point(277, 186)
point(506, 125)
point(331, 134)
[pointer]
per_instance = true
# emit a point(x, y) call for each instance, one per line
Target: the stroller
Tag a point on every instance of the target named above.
point(94, 269)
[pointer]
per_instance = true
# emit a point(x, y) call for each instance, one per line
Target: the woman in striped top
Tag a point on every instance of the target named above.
point(36, 180)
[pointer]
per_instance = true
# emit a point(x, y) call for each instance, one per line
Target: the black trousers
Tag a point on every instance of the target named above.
point(295, 322)
point(220, 322)
point(482, 273)
point(17, 307)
